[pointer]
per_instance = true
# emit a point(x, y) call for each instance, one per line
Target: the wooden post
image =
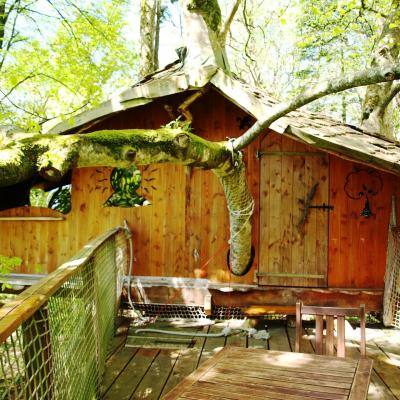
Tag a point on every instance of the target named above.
point(362, 328)
point(319, 334)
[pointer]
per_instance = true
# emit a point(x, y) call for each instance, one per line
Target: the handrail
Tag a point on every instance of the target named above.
point(28, 302)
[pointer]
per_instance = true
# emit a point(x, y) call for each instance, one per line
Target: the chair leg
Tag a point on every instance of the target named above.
point(299, 328)
point(362, 329)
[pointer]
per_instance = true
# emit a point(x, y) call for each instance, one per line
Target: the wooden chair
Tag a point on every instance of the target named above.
point(330, 313)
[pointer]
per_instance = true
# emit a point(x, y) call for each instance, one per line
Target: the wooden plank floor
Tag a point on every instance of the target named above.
point(156, 363)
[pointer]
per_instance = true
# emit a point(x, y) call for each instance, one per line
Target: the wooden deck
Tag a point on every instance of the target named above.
point(157, 363)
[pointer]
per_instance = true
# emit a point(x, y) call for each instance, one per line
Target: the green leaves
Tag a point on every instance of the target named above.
point(7, 264)
point(73, 57)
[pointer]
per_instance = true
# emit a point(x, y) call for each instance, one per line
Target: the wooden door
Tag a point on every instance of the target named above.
point(293, 242)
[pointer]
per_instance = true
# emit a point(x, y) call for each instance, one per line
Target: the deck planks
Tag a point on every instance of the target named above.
point(127, 382)
point(143, 373)
point(186, 363)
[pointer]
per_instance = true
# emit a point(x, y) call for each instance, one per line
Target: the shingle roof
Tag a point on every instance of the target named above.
point(317, 129)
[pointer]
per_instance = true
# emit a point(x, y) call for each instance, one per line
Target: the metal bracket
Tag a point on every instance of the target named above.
point(323, 206)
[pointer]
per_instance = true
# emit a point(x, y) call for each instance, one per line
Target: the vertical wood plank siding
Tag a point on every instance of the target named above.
point(185, 230)
point(357, 245)
point(183, 233)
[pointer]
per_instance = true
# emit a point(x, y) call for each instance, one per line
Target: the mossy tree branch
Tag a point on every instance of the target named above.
point(366, 77)
point(51, 156)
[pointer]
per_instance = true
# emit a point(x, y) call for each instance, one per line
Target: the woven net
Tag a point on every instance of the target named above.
point(391, 300)
point(59, 352)
point(241, 206)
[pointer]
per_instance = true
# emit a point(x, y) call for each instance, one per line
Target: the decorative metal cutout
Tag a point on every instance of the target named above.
point(363, 183)
point(125, 182)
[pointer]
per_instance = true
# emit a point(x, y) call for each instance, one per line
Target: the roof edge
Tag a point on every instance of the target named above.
point(162, 83)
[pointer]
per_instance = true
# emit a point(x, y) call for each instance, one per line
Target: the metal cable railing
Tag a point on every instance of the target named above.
point(54, 337)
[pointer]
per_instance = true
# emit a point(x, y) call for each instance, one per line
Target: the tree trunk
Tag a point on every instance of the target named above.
point(3, 19)
point(149, 25)
point(157, 34)
point(201, 30)
point(377, 112)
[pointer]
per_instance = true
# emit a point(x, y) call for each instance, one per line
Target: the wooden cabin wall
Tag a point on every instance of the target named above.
point(358, 245)
point(184, 232)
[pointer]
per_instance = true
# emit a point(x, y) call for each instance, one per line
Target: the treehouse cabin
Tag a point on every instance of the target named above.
point(324, 194)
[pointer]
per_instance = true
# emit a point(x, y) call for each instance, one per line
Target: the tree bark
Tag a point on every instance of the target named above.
point(148, 62)
point(202, 24)
point(377, 111)
point(371, 76)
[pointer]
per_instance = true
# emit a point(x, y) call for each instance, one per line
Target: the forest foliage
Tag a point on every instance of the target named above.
point(60, 57)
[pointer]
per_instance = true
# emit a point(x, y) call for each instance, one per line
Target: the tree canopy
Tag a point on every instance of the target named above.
point(59, 57)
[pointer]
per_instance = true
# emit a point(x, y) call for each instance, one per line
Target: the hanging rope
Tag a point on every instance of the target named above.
point(241, 207)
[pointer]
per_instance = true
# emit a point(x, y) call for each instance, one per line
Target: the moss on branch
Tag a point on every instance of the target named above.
point(52, 156)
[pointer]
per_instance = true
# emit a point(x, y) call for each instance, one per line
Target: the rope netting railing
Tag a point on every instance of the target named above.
point(54, 337)
point(391, 300)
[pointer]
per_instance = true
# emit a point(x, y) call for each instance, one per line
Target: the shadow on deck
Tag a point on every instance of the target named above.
point(149, 365)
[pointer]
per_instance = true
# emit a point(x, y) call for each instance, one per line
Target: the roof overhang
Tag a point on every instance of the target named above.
point(315, 129)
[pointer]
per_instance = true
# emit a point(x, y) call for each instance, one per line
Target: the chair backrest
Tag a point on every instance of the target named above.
point(330, 313)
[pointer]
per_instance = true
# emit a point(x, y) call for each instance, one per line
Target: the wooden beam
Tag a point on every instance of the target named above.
point(251, 299)
point(290, 275)
point(32, 218)
point(279, 296)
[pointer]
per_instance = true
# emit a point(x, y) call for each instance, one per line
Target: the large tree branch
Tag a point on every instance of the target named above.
point(227, 26)
point(52, 156)
point(364, 78)
point(6, 45)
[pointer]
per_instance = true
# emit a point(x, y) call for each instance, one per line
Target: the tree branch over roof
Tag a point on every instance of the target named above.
point(367, 77)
